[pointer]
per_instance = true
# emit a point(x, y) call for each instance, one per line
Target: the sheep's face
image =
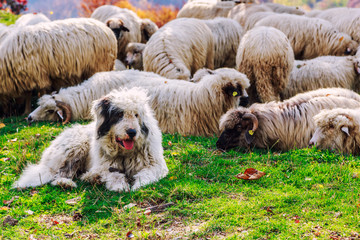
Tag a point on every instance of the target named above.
point(346, 47)
point(148, 28)
point(335, 131)
point(237, 128)
point(47, 110)
point(134, 55)
point(117, 26)
point(120, 120)
point(233, 83)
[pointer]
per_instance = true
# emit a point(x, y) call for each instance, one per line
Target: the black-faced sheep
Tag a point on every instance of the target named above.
point(266, 57)
point(311, 37)
point(54, 54)
point(323, 72)
point(134, 55)
point(124, 142)
point(337, 129)
point(281, 125)
point(126, 25)
point(179, 49)
point(180, 106)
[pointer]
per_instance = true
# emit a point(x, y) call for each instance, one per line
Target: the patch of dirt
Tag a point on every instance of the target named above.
point(50, 221)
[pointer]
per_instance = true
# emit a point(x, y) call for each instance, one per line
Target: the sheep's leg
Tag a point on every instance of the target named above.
point(27, 110)
point(148, 175)
point(265, 90)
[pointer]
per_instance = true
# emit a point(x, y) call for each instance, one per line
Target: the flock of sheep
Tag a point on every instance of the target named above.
point(291, 72)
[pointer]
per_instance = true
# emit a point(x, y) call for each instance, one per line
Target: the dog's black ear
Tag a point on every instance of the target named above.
point(144, 129)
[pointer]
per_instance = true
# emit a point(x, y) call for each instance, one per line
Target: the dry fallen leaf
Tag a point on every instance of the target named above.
point(250, 174)
point(5, 159)
point(73, 201)
point(170, 143)
point(172, 178)
point(33, 192)
point(37, 135)
point(4, 208)
point(130, 235)
point(147, 212)
point(2, 125)
point(8, 202)
point(13, 140)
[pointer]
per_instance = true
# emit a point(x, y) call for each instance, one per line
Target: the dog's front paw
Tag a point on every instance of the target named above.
point(92, 177)
point(118, 186)
point(64, 182)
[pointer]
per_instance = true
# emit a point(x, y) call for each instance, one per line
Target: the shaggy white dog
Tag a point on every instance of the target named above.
point(121, 148)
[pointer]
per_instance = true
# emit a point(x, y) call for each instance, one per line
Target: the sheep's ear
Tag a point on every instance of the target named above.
point(249, 136)
point(345, 130)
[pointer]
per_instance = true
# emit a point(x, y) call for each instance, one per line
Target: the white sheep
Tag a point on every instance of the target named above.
point(337, 129)
point(311, 37)
point(134, 55)
point(266, 57)
point(205, 9)
point(227, 35)
point(279, 8)
point(281, 125)
point(313, 13)
point(124, 142)
point(180, 106)
point(179, 49)
point(242, 12)
point(323, 72)
point(347, 20)
point(126, 25)
point(54, 54)
point(31, 19)
point(253, 18)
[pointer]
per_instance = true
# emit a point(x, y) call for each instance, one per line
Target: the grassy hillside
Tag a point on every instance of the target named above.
point(304, 194)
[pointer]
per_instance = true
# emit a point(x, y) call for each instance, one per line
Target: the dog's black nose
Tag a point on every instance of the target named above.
point(29, 118)
point(131, 132)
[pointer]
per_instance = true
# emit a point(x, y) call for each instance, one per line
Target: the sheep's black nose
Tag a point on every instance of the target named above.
point(29, 118)
point(131, 132)
point(311, 144)
point(244, 101)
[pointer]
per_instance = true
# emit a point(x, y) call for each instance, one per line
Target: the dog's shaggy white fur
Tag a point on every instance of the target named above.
point(121, 148)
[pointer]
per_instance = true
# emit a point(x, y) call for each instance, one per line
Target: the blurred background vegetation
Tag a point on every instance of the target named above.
point(159, 11)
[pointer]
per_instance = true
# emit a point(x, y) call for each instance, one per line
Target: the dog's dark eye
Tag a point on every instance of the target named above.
point(136, 115)
point(50, 111)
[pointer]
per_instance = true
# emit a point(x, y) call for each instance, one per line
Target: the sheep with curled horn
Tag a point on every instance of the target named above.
point(281, 125)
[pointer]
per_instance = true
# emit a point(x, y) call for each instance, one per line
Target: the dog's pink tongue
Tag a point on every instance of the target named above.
point(128, 144)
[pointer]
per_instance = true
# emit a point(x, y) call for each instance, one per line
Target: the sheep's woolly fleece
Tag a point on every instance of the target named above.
point(180, 106)
point(311, 37)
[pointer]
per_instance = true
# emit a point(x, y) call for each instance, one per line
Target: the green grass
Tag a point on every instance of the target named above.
point(7, 18)
point(305, 194)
